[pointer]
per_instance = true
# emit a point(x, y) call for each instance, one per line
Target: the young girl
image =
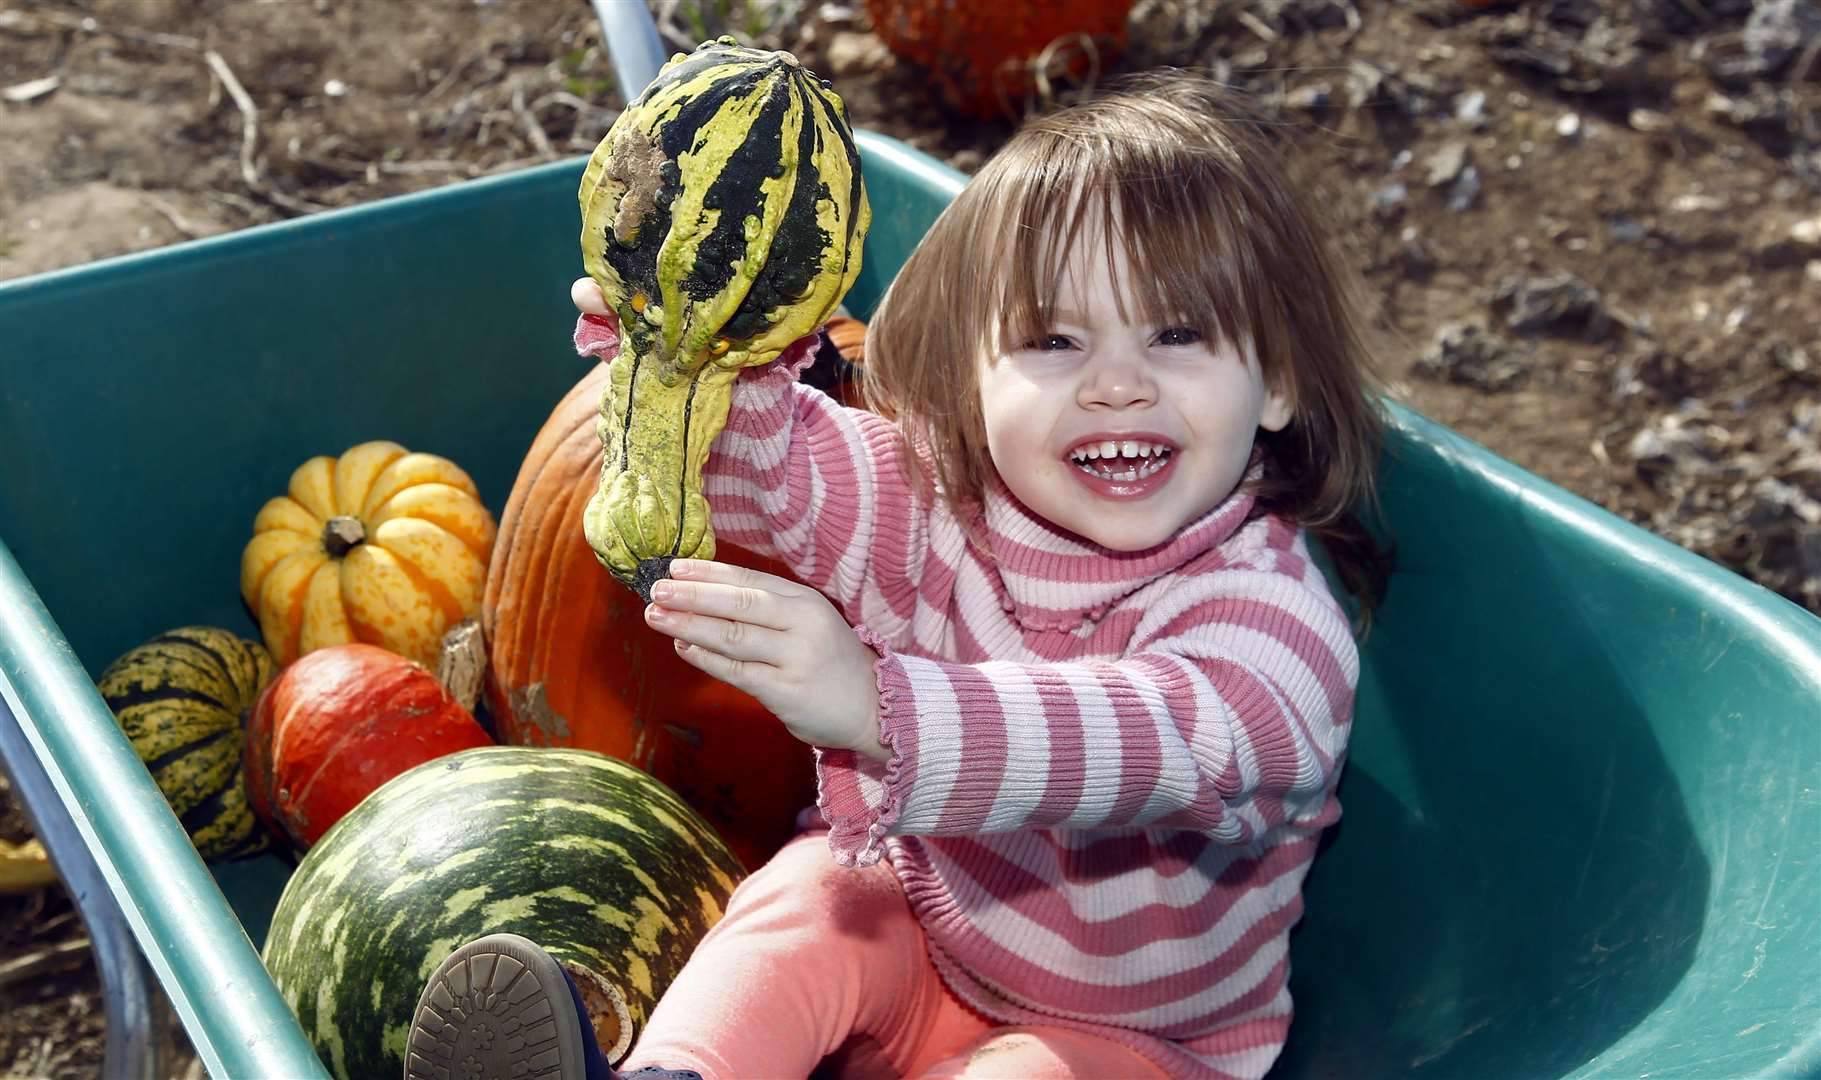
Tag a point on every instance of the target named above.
point(1081, 698)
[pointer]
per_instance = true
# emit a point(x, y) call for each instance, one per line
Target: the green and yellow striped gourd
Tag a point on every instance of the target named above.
point(723, 217)
point(605, 867)
point(179, 698)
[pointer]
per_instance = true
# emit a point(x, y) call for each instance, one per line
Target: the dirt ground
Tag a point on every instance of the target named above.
point(1592, 229)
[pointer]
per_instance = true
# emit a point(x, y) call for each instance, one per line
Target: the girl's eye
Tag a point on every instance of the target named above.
point(1179, 335)
point(1048, 343)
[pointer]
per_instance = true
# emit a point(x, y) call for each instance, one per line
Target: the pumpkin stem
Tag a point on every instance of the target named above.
point(342, 534)
point(462, 664)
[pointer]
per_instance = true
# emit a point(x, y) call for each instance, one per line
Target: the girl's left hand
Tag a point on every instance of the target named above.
point(779, 641)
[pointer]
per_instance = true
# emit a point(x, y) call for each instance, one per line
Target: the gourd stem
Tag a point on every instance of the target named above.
point(342, 534)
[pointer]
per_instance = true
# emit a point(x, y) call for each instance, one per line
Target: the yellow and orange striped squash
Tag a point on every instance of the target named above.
point(380, 545)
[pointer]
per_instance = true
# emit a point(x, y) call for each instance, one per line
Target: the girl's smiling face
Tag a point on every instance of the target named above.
point(1117, 430)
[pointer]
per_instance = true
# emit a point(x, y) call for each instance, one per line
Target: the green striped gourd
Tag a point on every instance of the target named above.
point(723, 217)
point(602, 865)
point(179, 698)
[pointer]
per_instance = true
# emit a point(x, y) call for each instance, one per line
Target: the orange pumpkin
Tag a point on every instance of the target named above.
point(982, 54)
point(380, 545)
point(572, 663)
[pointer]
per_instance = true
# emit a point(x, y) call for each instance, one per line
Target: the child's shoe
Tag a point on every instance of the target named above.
point(500, 1006)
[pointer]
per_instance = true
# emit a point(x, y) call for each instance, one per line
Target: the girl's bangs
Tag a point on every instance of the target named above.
point(1185, 259)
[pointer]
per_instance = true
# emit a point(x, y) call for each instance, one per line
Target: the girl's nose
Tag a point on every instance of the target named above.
point(1116, 382)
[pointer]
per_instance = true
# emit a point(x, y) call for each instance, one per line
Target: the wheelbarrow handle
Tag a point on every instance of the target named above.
point(126, 986)
point(633, 45)
point(130, 866)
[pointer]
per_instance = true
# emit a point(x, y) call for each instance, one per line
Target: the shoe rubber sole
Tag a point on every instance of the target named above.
point(497, 1009)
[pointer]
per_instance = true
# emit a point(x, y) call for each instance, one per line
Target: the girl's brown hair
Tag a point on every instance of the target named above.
point(1218, 238)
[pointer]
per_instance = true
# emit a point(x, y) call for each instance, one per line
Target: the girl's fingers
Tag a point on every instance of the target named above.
point(737, 602)
point(586, 295)
point(735, 673)
point(730, 637)
point(728, 574)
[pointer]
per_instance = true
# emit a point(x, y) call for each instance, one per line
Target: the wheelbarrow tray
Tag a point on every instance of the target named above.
point(1583, 809)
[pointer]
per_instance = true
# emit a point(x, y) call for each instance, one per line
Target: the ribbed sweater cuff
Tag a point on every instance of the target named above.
point(858, 797)
point(790, 363)
point(763, 405)
point(597, 337)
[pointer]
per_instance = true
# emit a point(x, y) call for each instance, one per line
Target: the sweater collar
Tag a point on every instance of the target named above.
point(1056, 580)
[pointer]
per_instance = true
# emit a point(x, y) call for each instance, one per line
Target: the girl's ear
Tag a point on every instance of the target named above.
point(1277, 412)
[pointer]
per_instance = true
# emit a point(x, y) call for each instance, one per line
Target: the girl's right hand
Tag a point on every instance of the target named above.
point(585, 293)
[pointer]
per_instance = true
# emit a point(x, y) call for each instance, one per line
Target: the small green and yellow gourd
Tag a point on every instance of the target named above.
point(179, 699)
point(723, 217)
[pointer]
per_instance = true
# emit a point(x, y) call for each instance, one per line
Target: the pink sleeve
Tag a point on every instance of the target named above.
point(798, 477)
point(1229, 716)
point(820, 487)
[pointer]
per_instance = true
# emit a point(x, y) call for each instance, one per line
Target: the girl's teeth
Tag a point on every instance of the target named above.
point(1148, 468)
point(1131, 449)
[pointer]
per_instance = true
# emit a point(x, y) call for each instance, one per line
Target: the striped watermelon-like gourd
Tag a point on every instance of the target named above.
point(723, 217)
point(597, 862)
point(179, 698)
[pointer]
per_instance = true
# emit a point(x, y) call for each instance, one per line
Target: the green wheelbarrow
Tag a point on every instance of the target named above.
point(1583, 810)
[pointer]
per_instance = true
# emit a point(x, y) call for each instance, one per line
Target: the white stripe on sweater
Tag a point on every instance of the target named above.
point(1028, 746)
point(937, 765)
point(1100, 748)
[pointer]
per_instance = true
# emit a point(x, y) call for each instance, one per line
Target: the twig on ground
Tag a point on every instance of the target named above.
point(26, 92)
point(34, 907)
point(454, 74)
point(1257, 25)
point(539, 140)
point(249, 138)
point(88, 25)
point(44, 928)
point(674, 35)
point(563, 97)
point(251, 209)
point(174, 216)
point(1354, 22)
point(64, 954)
point(249, 130)
point(1799, 70)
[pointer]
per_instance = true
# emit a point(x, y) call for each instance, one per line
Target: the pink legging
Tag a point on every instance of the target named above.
point(816, 961)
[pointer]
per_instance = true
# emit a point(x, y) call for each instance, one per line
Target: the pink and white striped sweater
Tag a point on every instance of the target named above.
point(1109, 770)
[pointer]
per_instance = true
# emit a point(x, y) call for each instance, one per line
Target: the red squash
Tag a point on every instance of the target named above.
point(337, 724)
